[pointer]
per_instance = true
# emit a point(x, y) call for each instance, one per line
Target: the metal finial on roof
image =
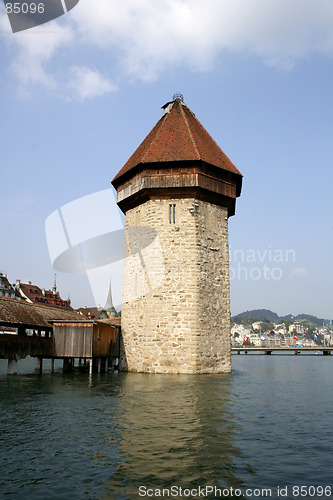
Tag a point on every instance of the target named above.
point(178, 96)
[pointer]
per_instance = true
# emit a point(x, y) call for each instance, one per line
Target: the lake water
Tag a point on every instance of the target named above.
point(260, 432)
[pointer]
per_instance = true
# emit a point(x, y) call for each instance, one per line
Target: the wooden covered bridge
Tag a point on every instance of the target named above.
point(53, 333)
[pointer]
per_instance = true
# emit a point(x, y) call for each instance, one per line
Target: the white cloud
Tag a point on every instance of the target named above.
point(151, 35)
point(85, 83)
point(298, 272)
point(35, 50)
point(147, 37)
point(4, 24)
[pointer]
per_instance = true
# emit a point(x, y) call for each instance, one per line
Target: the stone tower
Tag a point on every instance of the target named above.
point(177, 191)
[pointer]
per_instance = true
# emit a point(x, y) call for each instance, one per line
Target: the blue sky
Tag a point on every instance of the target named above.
point(80, 93)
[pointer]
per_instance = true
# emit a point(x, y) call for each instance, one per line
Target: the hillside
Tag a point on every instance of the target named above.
point(257, 315)
point(306, 317)
point(269, 316)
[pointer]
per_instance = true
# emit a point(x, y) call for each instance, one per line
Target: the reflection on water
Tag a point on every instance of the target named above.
point(175, 430)
point(105, 439)
point(267, 424)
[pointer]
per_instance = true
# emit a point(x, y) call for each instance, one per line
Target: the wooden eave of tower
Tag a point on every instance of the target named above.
point(178, 159)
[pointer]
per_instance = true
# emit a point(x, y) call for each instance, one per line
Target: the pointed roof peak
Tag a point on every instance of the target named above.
point(178, 136)
point(176, 99)
point(109, 307)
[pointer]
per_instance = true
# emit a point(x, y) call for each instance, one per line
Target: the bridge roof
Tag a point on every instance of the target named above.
point(15, 312)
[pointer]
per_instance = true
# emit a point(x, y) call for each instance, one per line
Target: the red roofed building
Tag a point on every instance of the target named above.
point(177, 191)
point(35, 295)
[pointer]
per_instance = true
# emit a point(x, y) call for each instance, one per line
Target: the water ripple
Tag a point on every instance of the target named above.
point(266, 424)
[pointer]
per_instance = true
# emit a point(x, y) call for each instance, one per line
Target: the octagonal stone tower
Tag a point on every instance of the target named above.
point(177, 191)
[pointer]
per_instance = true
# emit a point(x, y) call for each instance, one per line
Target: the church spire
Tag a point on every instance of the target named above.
point(109, 307)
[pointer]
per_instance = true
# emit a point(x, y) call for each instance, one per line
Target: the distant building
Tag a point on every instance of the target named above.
point(238, 333)
point(35, 295)
point(6, 289)
point(108, 311)
point(93, 312)
point(281, 329)
point(296, 327)
point(255, 339)
point(241, 330)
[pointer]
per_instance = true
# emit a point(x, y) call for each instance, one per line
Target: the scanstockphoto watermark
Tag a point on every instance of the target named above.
point(257, 264)
point(203, 492)
point(290, 491)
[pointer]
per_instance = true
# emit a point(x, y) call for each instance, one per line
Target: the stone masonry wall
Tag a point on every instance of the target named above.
point(176, 309)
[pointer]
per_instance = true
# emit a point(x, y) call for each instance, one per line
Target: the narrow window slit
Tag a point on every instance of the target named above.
point(172, 213)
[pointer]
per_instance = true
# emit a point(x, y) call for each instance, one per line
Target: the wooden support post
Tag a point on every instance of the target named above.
point(90, 366)
point(106, 365)
point(12, 367)
point(52, 365)
point(66, 365)
point(39, 365)
point(99, 365)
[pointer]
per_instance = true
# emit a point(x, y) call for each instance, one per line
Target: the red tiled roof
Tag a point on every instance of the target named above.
point(178, 136)
point(36, 295)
